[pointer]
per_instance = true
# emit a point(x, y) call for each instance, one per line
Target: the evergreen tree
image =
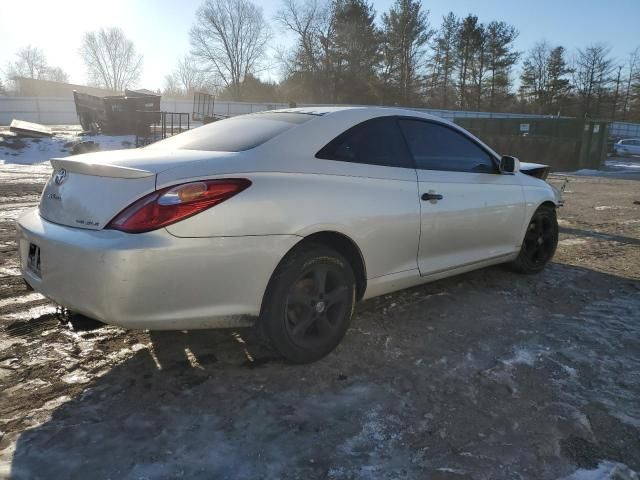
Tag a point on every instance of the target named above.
point(479, 66)
point(501, 57)
point(442, 63)
point(406, 33)
point(468, 43)
point(355, 51)
point(559, 84)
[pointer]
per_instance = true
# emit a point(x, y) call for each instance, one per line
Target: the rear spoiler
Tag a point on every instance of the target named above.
point(99, 169)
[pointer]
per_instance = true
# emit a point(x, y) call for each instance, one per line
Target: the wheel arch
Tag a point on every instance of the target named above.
point(532, 207)
point(346, 247)
point(342, 244)
point(546, 203)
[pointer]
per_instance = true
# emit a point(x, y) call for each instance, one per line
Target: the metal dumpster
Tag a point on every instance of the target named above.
point(127, 114)
point(566, 144)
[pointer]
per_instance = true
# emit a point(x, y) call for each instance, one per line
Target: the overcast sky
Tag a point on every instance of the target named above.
point(160, 28)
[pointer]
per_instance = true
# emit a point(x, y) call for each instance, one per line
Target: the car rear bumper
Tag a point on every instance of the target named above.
point(152, 280)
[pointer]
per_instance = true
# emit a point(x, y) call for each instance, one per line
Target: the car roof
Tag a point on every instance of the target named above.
point(332, 120)
point(371, 111)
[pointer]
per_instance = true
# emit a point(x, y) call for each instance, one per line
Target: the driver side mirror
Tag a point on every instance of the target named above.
point(509, 165)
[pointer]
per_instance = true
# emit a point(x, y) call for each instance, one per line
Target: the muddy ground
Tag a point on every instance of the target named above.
point(488, 375)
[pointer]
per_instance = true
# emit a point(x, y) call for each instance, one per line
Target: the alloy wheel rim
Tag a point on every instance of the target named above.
point(315, 305)
point(539, 241)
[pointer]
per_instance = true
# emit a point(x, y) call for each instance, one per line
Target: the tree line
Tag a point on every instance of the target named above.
point(342, 55)
point(345, 52)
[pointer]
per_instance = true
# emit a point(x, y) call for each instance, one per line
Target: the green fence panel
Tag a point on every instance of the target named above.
point(563, 143)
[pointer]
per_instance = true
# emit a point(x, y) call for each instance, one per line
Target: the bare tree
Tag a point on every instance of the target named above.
point(31, 63)
point(544, 82)
point(230, 38)
point(56, 74)
point(172, 87)
point(187, 78)
point(306, 21)
point(111, 59)
point(309, 67)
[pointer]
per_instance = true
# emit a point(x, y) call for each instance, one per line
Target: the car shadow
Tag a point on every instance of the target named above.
point(422, 377)
point(600, 235)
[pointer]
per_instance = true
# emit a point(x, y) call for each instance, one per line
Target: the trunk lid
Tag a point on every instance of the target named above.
point(85, 195)
point(87, 191)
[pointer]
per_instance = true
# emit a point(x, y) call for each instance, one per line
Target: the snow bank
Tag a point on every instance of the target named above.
point(30, 151)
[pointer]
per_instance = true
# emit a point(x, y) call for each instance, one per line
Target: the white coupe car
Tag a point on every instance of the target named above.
point(627, 147)
point(286, 217)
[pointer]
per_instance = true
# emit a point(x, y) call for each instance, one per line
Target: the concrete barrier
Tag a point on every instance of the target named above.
point(62, 111)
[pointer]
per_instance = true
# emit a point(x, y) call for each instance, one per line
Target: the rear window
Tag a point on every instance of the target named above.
point(235, 134)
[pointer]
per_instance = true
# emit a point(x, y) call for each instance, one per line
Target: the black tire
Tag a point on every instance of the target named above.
point(540, 241)
point(308, 305)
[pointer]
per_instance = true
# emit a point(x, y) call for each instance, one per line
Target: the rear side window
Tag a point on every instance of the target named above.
point(374, 142)
point(438, 147)
point(235, 134)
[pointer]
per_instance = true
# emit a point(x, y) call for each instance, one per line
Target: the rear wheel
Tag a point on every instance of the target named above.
point(309, 303)
point(540, 241)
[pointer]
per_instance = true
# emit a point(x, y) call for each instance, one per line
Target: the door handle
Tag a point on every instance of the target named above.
point(431, 196)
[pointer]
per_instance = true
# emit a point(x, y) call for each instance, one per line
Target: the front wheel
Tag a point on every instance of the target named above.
point(540, 241)
point(309, 303)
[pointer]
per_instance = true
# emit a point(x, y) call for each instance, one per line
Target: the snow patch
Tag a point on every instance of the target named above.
point(605, 471)
point(9, 272)
point(76, 377)
point(628, 419)
point(612, 168)
point(521, 356)
point(31, 151)
point(24, 299)
point(568, 242)
point(33, 312)
point(572, 372)
point(624, 165)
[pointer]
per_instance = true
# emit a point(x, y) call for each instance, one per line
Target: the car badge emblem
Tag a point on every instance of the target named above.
point(60, 176)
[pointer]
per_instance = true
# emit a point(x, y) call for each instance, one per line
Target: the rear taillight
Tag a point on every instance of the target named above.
point(172, 204)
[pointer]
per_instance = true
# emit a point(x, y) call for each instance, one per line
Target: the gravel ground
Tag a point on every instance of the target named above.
point(488, 375)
